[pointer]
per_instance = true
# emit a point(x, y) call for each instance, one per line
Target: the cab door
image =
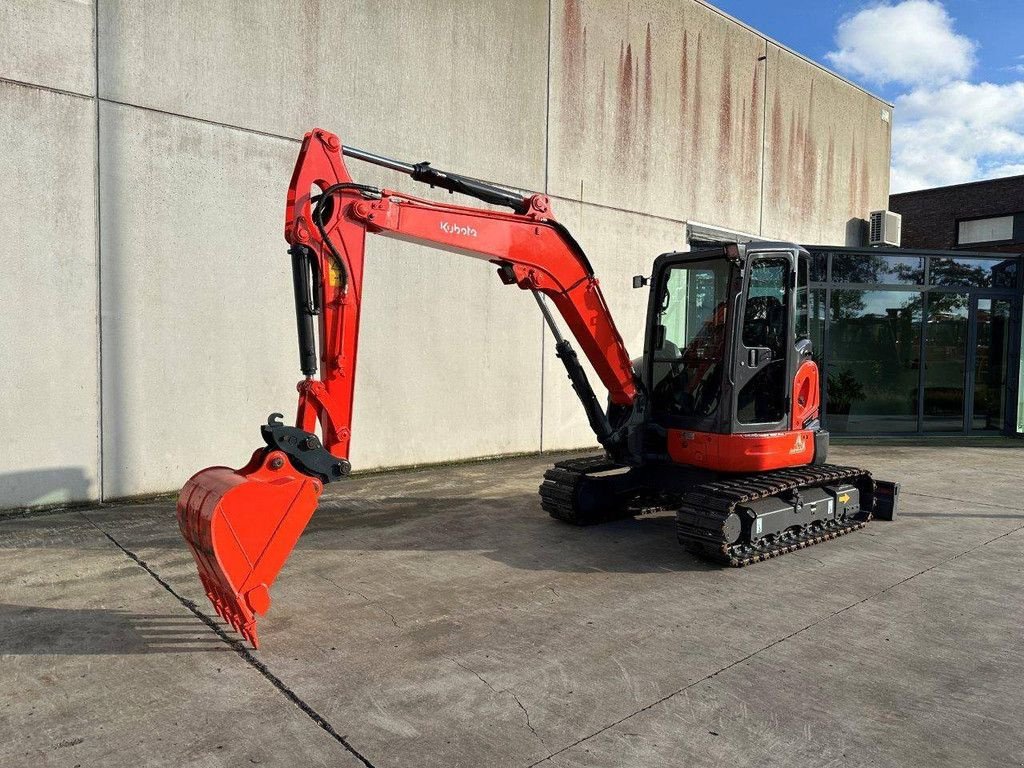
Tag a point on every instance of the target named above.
point(764, 360)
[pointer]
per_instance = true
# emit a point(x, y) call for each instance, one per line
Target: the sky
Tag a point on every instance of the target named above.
point(954, 69)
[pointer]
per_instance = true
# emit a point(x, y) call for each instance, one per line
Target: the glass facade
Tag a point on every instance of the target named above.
point(917, 342)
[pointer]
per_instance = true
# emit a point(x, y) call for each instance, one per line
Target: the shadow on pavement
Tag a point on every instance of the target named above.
point(27, 630)
point(510, 529)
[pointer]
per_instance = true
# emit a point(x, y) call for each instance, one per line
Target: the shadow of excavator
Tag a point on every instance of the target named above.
point(27, 630)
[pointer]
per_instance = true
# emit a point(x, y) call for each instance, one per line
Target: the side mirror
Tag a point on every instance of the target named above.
point(639, 281)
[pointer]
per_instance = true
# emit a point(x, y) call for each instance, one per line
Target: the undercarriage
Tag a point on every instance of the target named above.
point(732, 519)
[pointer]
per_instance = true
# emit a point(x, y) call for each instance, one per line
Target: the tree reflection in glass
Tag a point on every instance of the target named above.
point(874, 360)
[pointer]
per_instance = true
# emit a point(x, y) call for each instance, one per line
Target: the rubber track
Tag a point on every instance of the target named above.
point(704, 509)
point(558, 490)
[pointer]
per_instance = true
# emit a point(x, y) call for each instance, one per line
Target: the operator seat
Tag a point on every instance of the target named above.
point(664, 359)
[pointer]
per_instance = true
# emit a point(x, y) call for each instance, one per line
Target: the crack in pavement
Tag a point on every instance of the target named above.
point(528, 723)
point(389, 614)
point(791, 635)
point(470, 669)
point(509, 691)
point(238, 647)
point(333, 583)
point(373, 603)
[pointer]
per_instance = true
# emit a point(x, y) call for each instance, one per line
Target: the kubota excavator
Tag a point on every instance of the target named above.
point(717, 423)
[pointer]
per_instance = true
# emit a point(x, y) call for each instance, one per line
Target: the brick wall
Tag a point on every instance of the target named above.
point(930, 216)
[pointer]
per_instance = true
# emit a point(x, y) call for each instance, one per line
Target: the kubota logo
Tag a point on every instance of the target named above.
point(454, 229)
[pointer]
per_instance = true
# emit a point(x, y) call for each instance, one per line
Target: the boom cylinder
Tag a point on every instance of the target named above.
point(453, 182)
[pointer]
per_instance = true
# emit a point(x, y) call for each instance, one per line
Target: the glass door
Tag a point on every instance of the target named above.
point(991, 351)
point(947, 346)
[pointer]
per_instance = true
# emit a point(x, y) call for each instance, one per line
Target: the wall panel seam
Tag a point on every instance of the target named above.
point(207, 121)
point(49, 88)
point(547, 170)
point(266, 134)
point(603, 206)
point(100, 491)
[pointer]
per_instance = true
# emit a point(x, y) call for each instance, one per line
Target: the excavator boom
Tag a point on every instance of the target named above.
point(242, 524)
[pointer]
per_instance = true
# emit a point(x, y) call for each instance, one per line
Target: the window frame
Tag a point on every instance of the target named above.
point(1016, 226)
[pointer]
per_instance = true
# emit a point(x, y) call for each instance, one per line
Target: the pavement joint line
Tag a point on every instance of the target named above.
point(961, 501)
point(772, 644)
point(238, 647)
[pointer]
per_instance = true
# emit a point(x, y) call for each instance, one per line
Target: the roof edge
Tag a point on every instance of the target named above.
point(1015, 177)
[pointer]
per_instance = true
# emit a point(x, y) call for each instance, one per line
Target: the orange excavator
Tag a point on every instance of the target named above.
point(717, 423)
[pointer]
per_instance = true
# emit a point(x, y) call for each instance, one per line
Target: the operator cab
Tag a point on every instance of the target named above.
point(727, 347)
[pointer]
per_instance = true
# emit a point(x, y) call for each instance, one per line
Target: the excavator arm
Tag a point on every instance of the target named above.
point(242, 524)
point(327, 220)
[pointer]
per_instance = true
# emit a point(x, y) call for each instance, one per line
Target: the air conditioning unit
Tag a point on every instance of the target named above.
point(884, 228)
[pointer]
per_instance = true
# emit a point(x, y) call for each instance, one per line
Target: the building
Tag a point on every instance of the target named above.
point(926, 339)
point(913, 341)
point(979, 216)
point(147, 327)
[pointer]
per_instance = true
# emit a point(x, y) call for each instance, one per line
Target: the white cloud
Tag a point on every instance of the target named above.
point(1007, 169)
point(912, 43)
point(957, 132)
point(946, 129)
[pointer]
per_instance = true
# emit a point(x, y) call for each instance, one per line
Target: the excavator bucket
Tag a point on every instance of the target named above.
point(241, 525)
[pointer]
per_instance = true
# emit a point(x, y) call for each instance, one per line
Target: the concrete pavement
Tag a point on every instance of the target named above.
point(438, 617)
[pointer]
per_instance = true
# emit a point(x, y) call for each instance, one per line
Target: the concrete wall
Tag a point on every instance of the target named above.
point(826, 154)
point(148, 327)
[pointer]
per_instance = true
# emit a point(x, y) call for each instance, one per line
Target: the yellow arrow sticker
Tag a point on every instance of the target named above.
point(844, 498)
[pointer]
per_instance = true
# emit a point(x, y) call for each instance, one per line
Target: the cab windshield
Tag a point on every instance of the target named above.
point(690, 335)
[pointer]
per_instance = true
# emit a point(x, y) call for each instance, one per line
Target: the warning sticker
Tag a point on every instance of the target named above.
point(333, 273)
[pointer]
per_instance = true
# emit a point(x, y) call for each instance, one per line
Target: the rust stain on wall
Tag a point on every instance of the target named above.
point(624, 113)
point(636, 117)
point(696, 110)
point(865, 192)
point(830, 165)
point(573, 66)
point(752, 126)
point(709, 123)
point(809, 167)
point(648, 102)
point(778, 155)
point(684, 84)
point(744, 154)
point(725, 125)
point(794, 137)
point(852, 187)
point(724, 191)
